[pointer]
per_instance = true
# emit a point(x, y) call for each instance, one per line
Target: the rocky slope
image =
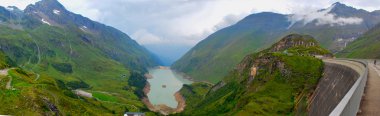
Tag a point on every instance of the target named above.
point(276, 81)
point(215, 56)
point(367, 46)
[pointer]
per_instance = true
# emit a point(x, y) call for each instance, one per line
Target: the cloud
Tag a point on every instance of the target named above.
point(188, 21)
point(19, 3)
point(322, 17)
point(144, 37)
point(227, 21)
point(332, 20)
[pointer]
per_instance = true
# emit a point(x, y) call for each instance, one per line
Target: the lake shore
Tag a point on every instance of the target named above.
point(187, 77)
point(161, 108)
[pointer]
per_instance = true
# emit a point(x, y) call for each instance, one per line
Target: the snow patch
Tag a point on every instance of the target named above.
point(57, 12)
point(44, 21)
point(10, 8)
point(83, 28)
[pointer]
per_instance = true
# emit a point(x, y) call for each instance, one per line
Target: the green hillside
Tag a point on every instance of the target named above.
point(215, 56)
point(211, 59)
point(70, 52)
point(367, 46)
point(275, 81)
point(24, 92)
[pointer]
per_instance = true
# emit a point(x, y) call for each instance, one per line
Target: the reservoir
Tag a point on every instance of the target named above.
point(164, 84)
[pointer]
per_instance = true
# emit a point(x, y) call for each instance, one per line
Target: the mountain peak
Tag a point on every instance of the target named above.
point(338, 4)
point(50, 12)
point(45, 5)
point(341, 9)
point(52, 3)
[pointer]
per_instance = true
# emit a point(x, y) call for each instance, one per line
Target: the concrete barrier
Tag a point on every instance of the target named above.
point(332, 87)
point(349, 105)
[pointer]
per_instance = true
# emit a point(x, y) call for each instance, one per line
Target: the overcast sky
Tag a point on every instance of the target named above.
point(183, 22)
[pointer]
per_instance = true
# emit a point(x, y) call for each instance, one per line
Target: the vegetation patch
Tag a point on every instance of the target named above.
point(104, 97)
point(77, 85)
point(63, 67)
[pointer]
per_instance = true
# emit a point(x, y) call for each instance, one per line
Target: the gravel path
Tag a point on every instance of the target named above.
point(4, 72)
point(370, 105)
point(9, 83)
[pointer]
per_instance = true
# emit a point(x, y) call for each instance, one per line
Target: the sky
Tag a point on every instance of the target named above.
point(171, 27)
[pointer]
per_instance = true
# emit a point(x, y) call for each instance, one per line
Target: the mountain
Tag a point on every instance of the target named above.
point(22, 94)
point(71, 50)
point(275, 81)
point(333, 27)
point(367, 46)
point(213, 57)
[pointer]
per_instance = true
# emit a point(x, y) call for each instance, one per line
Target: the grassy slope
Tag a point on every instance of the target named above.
point(272, 92)
point(367, 46)
point(89, 64)
point(98, 59)
point(194, 92)
point(216, 55)
point(33, 97)
point(3, 63)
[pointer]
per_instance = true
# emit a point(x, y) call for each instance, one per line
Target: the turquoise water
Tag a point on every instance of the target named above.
point(173, 82)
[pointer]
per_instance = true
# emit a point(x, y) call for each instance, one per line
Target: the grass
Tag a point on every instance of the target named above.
point(64, 56)
point(281, 87)
point(104, 97)
point(366, 46)
point(271, 93)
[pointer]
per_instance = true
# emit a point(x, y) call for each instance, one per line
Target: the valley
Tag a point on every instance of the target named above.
point(54, 60)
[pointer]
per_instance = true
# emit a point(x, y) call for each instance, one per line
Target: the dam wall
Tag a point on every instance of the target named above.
point(340, 89)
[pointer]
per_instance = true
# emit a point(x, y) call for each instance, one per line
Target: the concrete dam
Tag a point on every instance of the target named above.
point(344, 90)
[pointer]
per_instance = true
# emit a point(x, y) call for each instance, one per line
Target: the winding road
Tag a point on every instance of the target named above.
point(4, 72)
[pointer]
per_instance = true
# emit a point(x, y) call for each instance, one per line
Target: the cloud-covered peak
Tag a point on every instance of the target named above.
point(329, 16)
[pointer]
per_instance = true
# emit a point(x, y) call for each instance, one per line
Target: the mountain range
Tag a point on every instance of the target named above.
point(333, 27)
point(56, 62)
point(75, 53)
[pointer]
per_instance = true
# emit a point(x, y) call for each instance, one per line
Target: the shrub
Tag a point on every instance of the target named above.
point(63, 67)
point(77, 84)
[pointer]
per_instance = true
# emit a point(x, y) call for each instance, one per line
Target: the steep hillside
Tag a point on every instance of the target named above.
point(5, 61)
point(367, 46)
point(216, 55)
point(47, 40)
point(23, 92)
point(275, 81)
